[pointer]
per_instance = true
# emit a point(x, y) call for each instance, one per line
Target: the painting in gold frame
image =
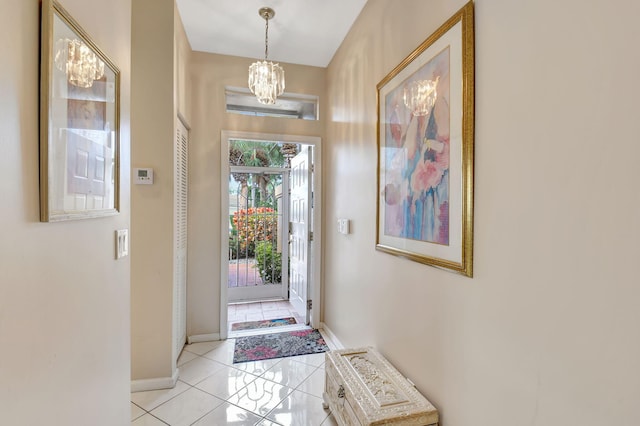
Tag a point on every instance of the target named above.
point(79, 122)
point(425, 150)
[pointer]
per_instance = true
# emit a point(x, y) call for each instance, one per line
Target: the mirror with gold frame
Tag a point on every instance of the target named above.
point(79, 122)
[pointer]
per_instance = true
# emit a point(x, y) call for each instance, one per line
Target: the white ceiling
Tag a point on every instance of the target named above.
point(306, 32)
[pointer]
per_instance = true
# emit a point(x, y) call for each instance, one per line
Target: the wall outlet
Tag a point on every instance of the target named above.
point(122, 243)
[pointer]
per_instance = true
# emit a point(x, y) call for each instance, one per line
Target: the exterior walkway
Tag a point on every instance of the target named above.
point(244, 273)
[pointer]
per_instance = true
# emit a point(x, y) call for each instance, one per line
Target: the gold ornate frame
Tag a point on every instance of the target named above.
point(436, 231)
point(79, 123)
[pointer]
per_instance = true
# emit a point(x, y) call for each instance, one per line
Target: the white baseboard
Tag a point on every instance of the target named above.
point(198, 338)
point(155, 384)
point(333, 341)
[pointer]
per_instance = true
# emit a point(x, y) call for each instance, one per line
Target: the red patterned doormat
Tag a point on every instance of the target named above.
point(278, 345)
point(249, 325)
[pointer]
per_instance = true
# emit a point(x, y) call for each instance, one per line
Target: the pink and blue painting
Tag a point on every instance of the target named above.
point(417, 160)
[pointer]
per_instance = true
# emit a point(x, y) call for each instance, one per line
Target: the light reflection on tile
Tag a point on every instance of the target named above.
point(260, 396)
point(314, 384)
point(311, 359)
point(226, 382)
point(257, 368)
point(289, 373)
point(267, 422)
point(299, 408)
point(228, 414)
point(208, 377)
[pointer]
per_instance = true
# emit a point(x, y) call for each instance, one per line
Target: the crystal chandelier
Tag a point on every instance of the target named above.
point(420, 96)
point(76, 59)
point(266, 79)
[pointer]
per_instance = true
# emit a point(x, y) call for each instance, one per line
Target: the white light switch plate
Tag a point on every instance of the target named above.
point(122, 243)
point(343, 226)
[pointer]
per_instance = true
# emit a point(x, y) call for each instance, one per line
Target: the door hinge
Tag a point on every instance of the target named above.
point(311, 236)
point(312, 168)
point(309, 304)
point(290, 227)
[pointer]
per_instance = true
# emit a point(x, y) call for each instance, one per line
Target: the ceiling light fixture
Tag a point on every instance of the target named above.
point(266, 79)
point(420, 96)
point(76, 59)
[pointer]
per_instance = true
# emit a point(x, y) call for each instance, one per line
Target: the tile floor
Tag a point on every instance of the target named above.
point(262, 311)
point(211, 390)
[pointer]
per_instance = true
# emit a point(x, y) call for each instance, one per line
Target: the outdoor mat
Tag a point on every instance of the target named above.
point(250, 325)
point(278, 345)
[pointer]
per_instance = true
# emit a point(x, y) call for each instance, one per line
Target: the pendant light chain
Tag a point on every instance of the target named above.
point(266, 39)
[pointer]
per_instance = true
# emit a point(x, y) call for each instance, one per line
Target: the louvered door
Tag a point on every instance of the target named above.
point(180, 237)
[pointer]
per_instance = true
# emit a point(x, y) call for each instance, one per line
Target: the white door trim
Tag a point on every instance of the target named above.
point(316, 245)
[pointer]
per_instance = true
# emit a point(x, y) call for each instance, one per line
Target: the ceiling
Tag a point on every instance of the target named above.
point(306, 32)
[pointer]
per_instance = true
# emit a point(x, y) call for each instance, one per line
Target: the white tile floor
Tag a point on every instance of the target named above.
point(258, 311)
point(211, 390)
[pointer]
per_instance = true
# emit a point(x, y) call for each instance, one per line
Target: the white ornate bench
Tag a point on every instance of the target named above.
point(362, 388)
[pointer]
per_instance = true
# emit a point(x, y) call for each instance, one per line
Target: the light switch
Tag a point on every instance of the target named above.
point(122, 243)
point(343, 226)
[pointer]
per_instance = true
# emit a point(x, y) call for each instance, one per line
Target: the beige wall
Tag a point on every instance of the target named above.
point(152, 205)
point(64, 299)
point(546, 331)
point(182, 56)
point(209, 76)
point(159, 67)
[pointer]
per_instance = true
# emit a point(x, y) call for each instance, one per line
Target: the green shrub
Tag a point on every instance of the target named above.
point(252, 226)
point(269, 262)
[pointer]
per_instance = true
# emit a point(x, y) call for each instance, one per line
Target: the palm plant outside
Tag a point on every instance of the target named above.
point(255, 154)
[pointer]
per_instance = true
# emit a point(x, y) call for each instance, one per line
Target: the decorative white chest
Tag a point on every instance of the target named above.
point(362, 388)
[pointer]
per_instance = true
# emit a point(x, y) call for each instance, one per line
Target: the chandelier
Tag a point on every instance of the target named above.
point(79, 62)
point(266, 79)
point(420, 96)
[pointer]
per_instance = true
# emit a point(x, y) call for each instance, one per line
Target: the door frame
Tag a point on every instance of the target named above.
point(315, 277)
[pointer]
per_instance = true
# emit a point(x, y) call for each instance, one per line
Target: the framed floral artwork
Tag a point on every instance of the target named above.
point(79, 122)
point(426, 148)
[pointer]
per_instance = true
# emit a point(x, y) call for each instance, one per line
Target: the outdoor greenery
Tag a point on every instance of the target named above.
point(256, 154)
point(269, 262)
point(253, 228)
point(250, 226)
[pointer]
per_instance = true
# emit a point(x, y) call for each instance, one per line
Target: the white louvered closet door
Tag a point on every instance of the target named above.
point(180, 237)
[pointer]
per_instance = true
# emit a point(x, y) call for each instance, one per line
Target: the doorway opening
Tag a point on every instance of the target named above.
point(270, 261)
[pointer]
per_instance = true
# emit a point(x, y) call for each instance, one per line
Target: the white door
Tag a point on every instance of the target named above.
point(300, 239)
point(180, 239)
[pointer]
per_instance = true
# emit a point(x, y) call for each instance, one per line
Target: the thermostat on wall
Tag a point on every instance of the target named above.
point(143, 176)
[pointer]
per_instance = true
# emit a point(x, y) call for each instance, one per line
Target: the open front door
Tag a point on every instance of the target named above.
point(300, 217)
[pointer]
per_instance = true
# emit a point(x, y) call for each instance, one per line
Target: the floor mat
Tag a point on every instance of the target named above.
point(278, 345)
